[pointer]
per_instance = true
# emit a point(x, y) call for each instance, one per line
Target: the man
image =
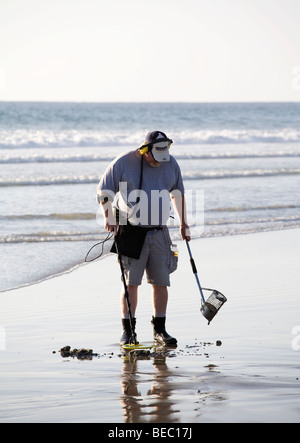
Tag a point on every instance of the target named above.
point(143, 178)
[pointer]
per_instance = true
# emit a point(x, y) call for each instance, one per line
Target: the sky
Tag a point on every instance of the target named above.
point(150, 50)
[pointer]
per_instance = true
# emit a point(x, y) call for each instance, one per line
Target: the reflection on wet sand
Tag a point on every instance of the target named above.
point(155, 396)
point(156, 403)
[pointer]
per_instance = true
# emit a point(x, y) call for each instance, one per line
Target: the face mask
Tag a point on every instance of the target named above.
point(160, 151)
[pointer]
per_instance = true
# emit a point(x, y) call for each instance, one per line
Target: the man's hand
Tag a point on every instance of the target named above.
point(111, 228)
point(185, 232)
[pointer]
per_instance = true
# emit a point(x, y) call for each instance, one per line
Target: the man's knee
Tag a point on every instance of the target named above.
point(132, 288)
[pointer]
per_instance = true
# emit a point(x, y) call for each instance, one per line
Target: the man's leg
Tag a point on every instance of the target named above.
point(133, 298)
point(160, 302)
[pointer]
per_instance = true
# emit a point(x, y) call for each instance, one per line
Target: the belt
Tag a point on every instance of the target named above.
point(154, 228)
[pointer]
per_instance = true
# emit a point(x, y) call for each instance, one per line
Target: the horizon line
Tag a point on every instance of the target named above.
point(154, 102)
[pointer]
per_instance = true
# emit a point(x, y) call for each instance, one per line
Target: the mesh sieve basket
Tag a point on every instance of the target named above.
point(213, 304)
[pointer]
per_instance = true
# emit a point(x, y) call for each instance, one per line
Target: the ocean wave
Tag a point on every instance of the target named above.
point(247, 221)
point(209, 175)
point(218, 227)
point(59, 216)
point(48, 181)
point(94, 179)
point(233, 136)
point(245, 229)
point(80, 158)
point(45, 138)
point(251, 208)
point(49, 236)
point(91, 158)
point(73, 216)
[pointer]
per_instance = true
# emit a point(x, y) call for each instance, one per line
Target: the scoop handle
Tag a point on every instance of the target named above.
point(195, 270)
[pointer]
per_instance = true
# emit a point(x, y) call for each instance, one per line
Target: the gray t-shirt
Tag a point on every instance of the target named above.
point(151, 205)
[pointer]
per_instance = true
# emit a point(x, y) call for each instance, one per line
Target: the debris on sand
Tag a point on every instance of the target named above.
point(196, 349)
point(81, 354)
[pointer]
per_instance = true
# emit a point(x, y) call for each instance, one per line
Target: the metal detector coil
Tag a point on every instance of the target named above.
point(132, 347)
point(213, 304)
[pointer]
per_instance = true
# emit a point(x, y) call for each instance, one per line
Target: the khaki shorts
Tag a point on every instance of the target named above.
point(156, 259)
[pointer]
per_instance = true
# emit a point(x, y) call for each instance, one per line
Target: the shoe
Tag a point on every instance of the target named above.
point(159, 332)
point(126, 337)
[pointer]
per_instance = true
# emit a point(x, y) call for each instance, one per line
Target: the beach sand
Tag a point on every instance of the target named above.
point(254, 376)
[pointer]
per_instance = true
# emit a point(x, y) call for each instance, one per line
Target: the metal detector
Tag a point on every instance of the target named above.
point(133, 344)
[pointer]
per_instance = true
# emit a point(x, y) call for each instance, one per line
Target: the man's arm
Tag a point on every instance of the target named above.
point(178, 202)
point(110, 222)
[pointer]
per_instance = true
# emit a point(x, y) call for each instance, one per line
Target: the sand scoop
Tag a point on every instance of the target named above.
point(215, 301)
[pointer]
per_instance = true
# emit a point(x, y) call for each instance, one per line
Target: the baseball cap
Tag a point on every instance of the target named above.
point(160, 145)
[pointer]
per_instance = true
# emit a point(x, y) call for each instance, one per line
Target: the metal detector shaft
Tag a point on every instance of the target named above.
point(126, 292)
point(195, 270)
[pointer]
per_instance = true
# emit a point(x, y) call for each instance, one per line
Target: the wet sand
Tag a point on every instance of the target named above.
point(253, 375)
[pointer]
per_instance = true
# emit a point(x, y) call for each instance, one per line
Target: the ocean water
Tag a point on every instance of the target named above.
point(241, 160)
